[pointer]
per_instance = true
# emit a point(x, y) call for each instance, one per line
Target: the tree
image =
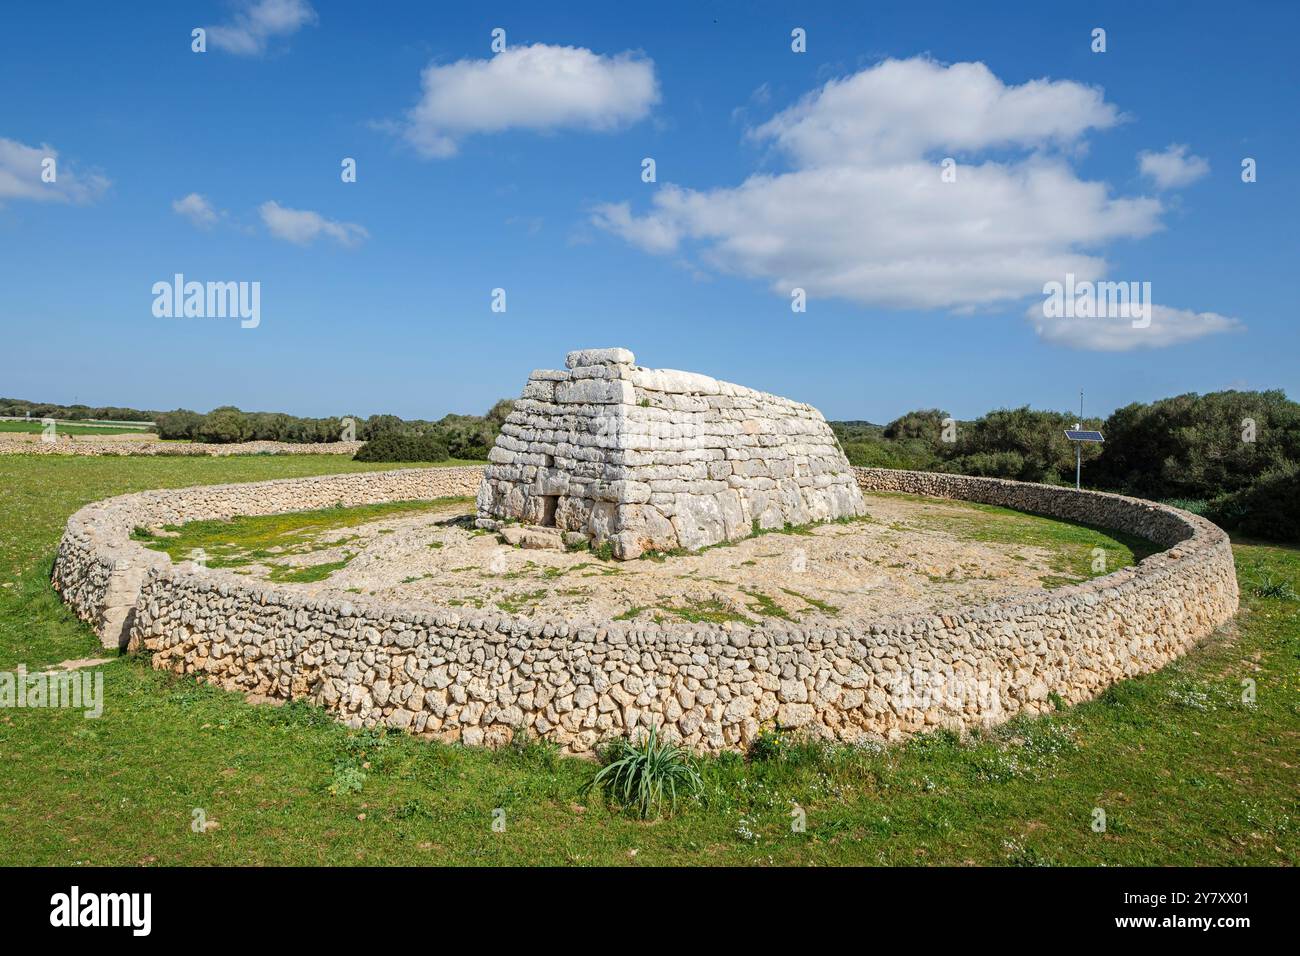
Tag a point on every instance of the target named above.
point(377, 425)
point(498, 413)
point(224, 425)
point(181, 423)
point(926, 425)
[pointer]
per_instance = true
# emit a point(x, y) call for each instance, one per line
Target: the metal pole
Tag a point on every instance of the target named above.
point(1078, 448)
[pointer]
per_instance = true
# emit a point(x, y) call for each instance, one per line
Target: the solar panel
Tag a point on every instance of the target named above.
point(1083, 436)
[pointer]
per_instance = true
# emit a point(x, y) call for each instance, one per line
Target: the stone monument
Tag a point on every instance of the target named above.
point(605, 451)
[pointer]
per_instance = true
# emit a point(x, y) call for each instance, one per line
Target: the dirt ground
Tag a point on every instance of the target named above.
point(900, 558)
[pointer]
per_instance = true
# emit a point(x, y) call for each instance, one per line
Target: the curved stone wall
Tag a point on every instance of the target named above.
point(99, 569)
point(476, 677)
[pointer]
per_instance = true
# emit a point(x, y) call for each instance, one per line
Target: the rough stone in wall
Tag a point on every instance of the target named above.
point(657, 459)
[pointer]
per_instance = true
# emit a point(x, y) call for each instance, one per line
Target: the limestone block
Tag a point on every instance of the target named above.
point(542, 391)
point(613, 356)
point(572, 513)
point(551, 481)
point(532, 538)
point(602, 522)
point(674, 381)
point(698, 521)
point(590, 391)
point(730, 507)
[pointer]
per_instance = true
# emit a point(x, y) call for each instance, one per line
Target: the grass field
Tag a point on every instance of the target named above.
point(1185, 771)
point(34, 427)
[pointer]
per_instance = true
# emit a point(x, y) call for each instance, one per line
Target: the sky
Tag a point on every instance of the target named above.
point(779, 175)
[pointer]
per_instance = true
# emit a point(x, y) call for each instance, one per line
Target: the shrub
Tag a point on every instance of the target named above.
point(926, 424)
point(1191, 446)
point(642, 775)
point(394, 446)
point(870, 452)
point(224, 425)
point(182, 423)
point(1019, 443)
point(991, 464)
point(377, 425)
point(498, 413)
point(1269, 508)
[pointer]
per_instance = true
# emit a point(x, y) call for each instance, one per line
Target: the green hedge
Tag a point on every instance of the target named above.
point(393, 446)
point(1269, 509)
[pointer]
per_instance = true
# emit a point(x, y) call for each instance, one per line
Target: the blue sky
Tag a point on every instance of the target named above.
point(774, 169)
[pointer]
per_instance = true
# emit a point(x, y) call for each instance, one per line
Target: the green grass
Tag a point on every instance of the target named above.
point(1186, 772)
point(34, 427)
point(308, 573)
point(764, 605)
point(267, 539)
point(828, 609)
point(519, 603)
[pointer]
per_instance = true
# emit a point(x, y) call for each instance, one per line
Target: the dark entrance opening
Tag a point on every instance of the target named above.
point(548, 510)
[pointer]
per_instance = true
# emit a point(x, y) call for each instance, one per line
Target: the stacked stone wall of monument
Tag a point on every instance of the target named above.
point(656, 459)
point(475, 677)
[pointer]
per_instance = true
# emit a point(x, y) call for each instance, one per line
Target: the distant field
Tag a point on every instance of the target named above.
point(34, 426)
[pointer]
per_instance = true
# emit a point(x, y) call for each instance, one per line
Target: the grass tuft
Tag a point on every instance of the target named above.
point(645, 775)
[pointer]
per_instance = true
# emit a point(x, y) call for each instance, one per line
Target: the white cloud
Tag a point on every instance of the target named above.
point(657, 234)
point(901, 110)
point(894, 236)
point(1116, 334)
point(197, 210)
point(21, 169)
point(256, 22)
point(863, 214)
point(536, 87)
point(303, 226)
point(1173, 168)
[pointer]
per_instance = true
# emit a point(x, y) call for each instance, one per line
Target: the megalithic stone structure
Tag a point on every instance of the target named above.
point(657, 459)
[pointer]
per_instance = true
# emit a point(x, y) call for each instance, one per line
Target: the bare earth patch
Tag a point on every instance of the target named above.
point(909, 555)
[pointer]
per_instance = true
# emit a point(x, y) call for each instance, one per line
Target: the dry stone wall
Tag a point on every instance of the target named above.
point(99, 570)
point(136, 443)
point(476, 677)
point(656, 459)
